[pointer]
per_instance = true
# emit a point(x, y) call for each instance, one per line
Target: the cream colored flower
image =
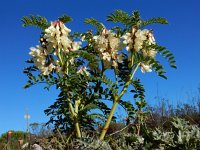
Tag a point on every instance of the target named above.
point(83, 38)
point(149, 53)
point(57, 35)
point(114, 42)
point(76, 46)
point(127, 38)
point(141, 36)
point(39, 58)
point(107, 44)
point(101, 42)
point(128, 41)
point(135, 39)
point(46, 70)
point(34, 52)
point(114, 64)
point(119, 58)
point(106, 40)
point(38, 55)
point(145, 68)
point(106, 56)
point(64, 44)
point(151, 38)
point(83, 70)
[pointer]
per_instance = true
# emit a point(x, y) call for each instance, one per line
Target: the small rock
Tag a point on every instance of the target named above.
point(36, 147)
point(25, 145)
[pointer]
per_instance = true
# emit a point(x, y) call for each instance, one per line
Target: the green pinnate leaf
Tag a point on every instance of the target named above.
point(158, 20)
point(119, 16)
point(65, 18)
point(37, 21)
point(99, 26)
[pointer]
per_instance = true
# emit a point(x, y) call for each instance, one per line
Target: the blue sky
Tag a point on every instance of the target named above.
point(181, 36)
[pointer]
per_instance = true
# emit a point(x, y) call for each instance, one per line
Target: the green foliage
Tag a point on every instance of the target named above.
point(37, 21)
point(41, 22)
point(59, 114)
point(181, 136)
point(158, 20)
point(39, 78)
point(123, 69)
point(91, 58)
point(139, 89)
point(166, 54)
point(110, 84)
point(129, 108)
point(65, 18)
point(92, 144)
point(119, 16)
point(158, 68)
point(75, 90)
point(99, 26)
point(103, 107)
point(13, 143)
point(135, 19)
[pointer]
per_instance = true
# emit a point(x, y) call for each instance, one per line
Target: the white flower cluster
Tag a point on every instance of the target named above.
point(150, 41)
point(56, 37)
point(39, 55)
point(135, 40)
point(56, 40)
point(107, 44)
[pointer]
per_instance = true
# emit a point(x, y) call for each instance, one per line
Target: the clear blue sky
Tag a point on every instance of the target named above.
point(181, 36)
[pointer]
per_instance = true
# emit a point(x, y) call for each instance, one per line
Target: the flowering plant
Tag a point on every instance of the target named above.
point(92, 67)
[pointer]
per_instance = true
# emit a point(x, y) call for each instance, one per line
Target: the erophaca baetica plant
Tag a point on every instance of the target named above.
point(92, 67)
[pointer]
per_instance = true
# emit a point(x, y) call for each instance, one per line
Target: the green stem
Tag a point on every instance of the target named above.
point(74, 116)
point(132, 58)
point(74, 112)
point(78, 131)
point(116, 101)
point(128, 82)
point(67, 71)
point(103, 133)
point(77, 126)
point(59, 56)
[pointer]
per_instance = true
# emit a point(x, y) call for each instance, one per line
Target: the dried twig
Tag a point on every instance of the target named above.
point(120, 130)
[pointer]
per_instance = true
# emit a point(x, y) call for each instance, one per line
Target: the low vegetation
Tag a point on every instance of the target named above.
point(159, 132)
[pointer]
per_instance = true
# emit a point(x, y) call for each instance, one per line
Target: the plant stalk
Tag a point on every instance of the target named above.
point(115, 103)
point(74, 116)
point(78, 131)
point(105, 128)
point(74, 112)
point(77, 126)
